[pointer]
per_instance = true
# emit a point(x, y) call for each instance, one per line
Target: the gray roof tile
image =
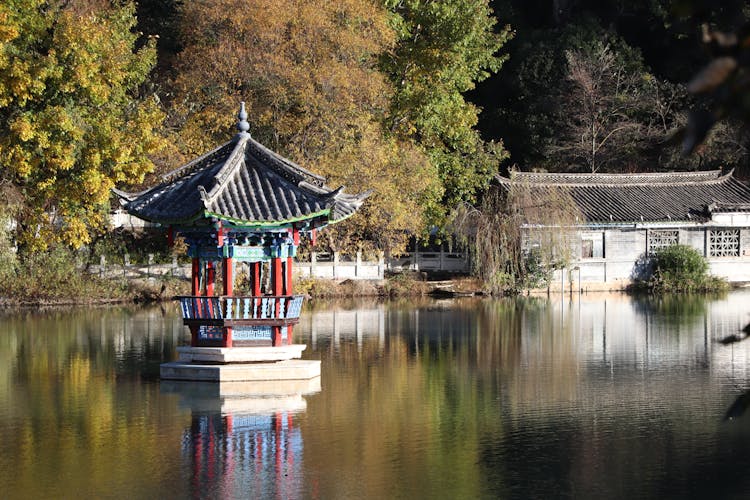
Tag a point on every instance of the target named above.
point(651, 197)
point(242, 181)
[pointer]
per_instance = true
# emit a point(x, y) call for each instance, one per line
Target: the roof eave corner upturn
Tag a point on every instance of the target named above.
point(123, 196)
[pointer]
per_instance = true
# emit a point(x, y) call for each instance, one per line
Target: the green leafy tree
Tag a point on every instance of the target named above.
point(71, 123)
point(445, 48)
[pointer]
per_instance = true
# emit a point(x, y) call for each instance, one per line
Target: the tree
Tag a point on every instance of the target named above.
point(610, 111)
point(585, 100)
point(682, 268)
point(309, 75)
point(71, 122)
point(597, 109)
point(443, 49)
point(518, 236)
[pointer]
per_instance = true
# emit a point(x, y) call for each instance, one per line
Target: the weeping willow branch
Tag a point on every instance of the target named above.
point(518, 235)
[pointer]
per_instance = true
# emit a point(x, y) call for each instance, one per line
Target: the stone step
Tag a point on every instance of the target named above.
point(225, 355)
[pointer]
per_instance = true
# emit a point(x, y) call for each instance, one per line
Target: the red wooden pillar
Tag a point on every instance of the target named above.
point(277, 285)
point(196, 277)
point(210, 278)
point(227, 279)
point(228, 265)
point(276, 339)
point(288, 286)
point(278, 280)
point(256, 279)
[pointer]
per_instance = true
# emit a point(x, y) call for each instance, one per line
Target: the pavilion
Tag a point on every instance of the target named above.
point(240, 202)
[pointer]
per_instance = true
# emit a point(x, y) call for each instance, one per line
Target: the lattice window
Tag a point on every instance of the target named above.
point(724, 243)
point(661, 238)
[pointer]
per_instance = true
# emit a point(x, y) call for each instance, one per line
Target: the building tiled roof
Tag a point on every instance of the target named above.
point(633, 198)
point(242, 182)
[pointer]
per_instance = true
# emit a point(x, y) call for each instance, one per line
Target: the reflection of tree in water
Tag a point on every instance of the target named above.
point(528, 398)
point(71, 391)
point(125, 342)
point(427, 395)
point(675, 309)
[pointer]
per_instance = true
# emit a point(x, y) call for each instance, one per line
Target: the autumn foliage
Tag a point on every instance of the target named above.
point(72, 124)
point(308, 72)
point(364, 92)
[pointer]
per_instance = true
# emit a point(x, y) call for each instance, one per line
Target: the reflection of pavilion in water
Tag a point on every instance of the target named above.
point(264, 450)
point(242, 440)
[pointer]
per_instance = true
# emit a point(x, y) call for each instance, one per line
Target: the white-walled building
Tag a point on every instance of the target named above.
point(629, 216)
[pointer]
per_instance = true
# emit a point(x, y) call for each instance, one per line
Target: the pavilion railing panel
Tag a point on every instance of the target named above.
point(241, 308)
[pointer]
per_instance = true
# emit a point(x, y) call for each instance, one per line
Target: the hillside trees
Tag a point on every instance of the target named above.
point(659, 38)
point(71, 120)
point(443, 50)
point(370, 96)
point(584, 100)
point(308, 73)
point(610, 111)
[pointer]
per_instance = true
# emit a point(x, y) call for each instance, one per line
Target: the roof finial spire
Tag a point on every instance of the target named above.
point(242, 125)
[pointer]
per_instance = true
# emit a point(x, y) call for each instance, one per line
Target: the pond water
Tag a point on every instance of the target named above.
point(587, 397)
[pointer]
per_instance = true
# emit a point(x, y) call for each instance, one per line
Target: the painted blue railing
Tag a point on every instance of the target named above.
point(241, 308)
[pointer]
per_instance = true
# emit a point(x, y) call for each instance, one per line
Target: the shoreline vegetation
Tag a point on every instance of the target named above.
point(94, 291)
point(61, 277)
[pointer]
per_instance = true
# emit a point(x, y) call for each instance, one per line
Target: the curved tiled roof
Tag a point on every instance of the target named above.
point(245, 183)
point(631, 198)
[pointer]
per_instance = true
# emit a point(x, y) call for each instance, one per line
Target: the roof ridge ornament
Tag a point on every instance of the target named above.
point(243, 126)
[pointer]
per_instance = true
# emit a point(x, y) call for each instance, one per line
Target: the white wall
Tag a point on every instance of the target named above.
point(624, 247)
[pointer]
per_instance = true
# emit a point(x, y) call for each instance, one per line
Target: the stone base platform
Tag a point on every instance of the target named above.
point(291, 369)
point(259, 397)
point(224, 355)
